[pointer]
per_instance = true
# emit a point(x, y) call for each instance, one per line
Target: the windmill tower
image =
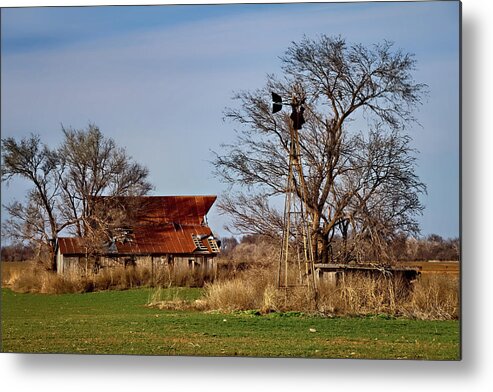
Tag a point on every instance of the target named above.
point(296, 262)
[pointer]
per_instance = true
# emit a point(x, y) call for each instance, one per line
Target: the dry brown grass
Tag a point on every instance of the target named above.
point(431, 297)
point(33, 277)
point(11, 270)
point(435, 297)
point(361, 294)
point(229, 295)
point(243, 291)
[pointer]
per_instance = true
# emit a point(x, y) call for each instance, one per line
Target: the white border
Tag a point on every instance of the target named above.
point(88, 373)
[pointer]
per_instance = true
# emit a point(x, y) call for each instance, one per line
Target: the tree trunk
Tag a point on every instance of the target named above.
point(53, 265)
point(324, 256)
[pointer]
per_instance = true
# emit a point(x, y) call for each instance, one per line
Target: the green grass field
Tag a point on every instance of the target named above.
point(118, 322)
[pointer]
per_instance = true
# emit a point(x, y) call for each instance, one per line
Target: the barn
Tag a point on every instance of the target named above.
point(164, 231)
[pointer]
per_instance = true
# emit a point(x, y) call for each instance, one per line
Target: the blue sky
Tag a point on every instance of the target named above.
point(157, 79)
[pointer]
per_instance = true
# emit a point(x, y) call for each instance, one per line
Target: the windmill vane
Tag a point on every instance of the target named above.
point(297, 109)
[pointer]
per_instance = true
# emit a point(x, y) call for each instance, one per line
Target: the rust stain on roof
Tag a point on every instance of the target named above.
point(185, 210)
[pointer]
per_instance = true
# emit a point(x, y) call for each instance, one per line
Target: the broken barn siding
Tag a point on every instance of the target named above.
point(167, 232)
point(80, 265)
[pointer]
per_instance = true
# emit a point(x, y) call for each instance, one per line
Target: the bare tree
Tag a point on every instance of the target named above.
point(36, 220)
point(384, 194)
point(95, 166)
point(66, 181)
point(355, 182)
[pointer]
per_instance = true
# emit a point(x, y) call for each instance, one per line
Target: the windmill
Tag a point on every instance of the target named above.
point(296, 262)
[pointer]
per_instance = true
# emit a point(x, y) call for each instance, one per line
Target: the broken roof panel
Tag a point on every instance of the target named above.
point(162, 225)
point(147, 240)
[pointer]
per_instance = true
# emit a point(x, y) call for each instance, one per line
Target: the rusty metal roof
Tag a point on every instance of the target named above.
point(164, 225)
point(68, 245)
point(188, 210)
